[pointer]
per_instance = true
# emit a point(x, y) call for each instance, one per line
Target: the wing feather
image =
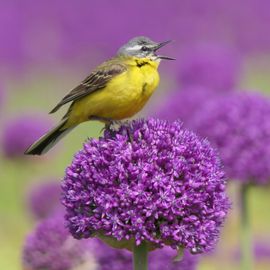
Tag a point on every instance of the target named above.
point(98, 79)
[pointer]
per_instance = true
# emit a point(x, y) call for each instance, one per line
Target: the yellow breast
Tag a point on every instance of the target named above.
point(123, 96)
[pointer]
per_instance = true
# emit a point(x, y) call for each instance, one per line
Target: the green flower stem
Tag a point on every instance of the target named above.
point(140, 257)
point(245, 230)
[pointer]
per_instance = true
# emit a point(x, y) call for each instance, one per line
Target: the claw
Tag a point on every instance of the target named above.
point(112, 125)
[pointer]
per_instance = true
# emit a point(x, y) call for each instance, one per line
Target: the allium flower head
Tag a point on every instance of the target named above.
point(212, 66)
point(149, 181)
point(51, 247)
point(108, 258)
point(21, 132)
point(238, 125)
point(44, 199)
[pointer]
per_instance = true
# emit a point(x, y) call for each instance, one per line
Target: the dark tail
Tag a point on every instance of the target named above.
point(47, 141)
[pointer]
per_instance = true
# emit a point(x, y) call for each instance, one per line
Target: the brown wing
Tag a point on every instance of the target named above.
point(98, 79)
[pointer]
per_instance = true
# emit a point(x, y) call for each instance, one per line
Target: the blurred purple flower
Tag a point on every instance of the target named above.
point(183, 104)
point(205, 72)
point(79, 31)
point(261, 251)
point(11, 53)
point(151, 180)
point(254, 15)
point(238, 126)
point(211, 66)
point(162, 259)
point(51, 247)
point(19, 133)
point(44, 199)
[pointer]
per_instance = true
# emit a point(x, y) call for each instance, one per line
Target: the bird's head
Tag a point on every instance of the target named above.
point(143, 47)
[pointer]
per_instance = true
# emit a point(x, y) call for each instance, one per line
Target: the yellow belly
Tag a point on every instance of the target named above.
point(124, 96)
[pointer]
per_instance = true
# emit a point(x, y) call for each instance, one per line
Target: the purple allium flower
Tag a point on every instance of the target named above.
point(21, 132)
point(149, 181)
point(184, 104)
point(109, 258)
point(51, 247)
point(238, 126)
point(44, 199)
point(211, 66)
point(261, 250)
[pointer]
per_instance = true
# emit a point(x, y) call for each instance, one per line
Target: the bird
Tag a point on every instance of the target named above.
point(115, 90)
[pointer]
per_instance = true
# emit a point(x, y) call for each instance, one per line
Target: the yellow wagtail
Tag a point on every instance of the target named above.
point(115, 90)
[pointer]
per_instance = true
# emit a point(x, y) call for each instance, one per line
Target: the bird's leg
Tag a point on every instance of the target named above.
point(125, 123)
point(129, 135)
point(109, 123)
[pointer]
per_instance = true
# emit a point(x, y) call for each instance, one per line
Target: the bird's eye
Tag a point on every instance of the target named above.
point(144, 48)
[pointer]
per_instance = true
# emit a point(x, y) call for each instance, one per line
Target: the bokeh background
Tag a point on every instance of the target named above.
point(47, 47)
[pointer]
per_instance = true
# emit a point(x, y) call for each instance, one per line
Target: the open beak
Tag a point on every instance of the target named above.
point(160, 45)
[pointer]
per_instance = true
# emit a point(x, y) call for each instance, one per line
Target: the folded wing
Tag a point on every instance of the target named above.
point(98, 79)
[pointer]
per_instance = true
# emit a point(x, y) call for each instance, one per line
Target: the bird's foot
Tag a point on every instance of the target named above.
point(116, 124)
point(112, 125)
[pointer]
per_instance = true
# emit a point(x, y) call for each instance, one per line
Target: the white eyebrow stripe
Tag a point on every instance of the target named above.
point(134, 48)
